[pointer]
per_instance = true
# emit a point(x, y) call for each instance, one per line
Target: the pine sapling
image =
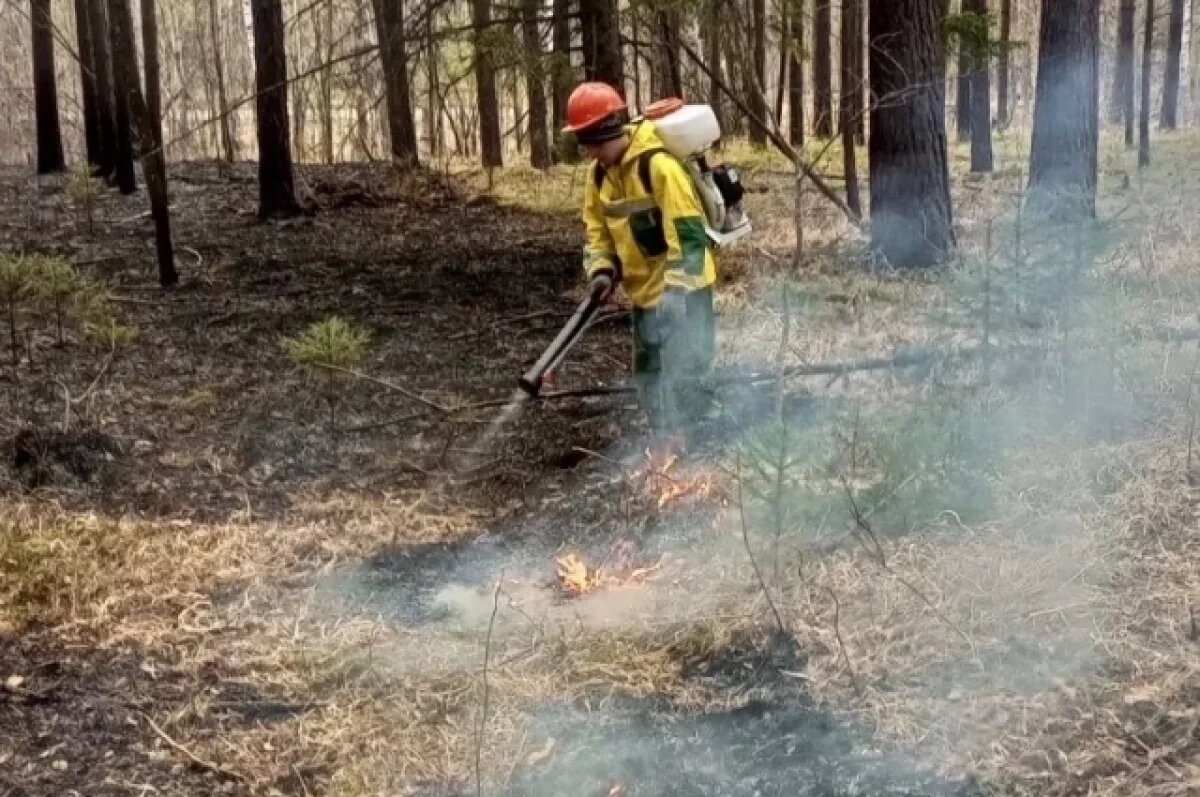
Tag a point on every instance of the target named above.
point(333, 346)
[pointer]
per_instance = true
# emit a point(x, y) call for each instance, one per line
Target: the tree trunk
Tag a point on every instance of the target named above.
point(1125, 63)
point(402, 129)
point(850, 103)
point(666, 53)
point(822, 69)
point(1063, 158)
point(962, 92)
point(781, 77)
point(227, 143)
point(87, 85)
point(45, 91)
point(1122, 78)
point(1147, 71)
point(153, 163)
point(126, 177)
point(433, 121)
point(911, 216)
point(711, 33)
point(561, 73)
point(276, 183)
point(106, 119)
point(601, 42)
point(151, 67)
point(1002, 63)
point(981, 97)
point(323, 38)
point(857, 75)
point(756, 74)
point(796, 78)
point(535, 86)
point(487, 101)
point(1170, 101)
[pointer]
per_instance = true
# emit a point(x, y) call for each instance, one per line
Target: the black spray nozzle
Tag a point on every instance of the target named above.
point(572, 331)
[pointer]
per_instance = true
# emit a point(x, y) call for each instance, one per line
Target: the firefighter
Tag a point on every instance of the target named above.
point(646, 231)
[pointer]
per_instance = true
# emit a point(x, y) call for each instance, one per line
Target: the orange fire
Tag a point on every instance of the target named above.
point(666, 487)
point(576, 578)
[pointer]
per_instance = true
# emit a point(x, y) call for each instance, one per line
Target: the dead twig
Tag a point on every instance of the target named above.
point(837, 632)
point(195, 759)
point(487, 653)
point(750, 552)
point(417, 397)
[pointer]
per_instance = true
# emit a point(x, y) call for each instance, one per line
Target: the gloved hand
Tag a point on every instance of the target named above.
point(603, 281)
point(672, 308)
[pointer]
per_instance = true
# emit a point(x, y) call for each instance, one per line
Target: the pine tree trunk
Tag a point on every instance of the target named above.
point(781, 77)
point(126, 177)
point(857, 76)
point(850, 103)
point(1002, 64)
point(1125, 57)
point(796, 79)
point(962, 94)
point(1147, 72)
point(561, 71)
point(911, 216)
point(1170, 101)
point(87, 85)
point(324, 51)
point(711, 33)
point(276, 183)
point(402, 128)
point(535, 86)
point(1122, 78)
point(601, 43)
point(665, 73)
point(981, 98)
point(153, 163)
point(106, 119)
point(822, 69)
point(1063, 160)
point(151, 67)
point(45, 91)
point(433, 78)
point(227, 143)
point(487, 100)
point(756, 82)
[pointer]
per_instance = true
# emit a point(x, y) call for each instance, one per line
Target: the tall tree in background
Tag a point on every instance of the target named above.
point(601, 42)
point(850, 103)
point(228, 144)
point(796, 75)
point(911, 217)
point(126, 177)
point(151, 68)
point(101, 61)
point(852, 49)
point(665, 76)
point(45, 91)
point(1170, 100)
point(757, 77)
point(486, 99)
point(822, 74)
point(402, 128)
point(87, 85)
point(1063, 159)
point(1002, 63)
point(276, 183)
point(1122, 77)
point(1128, 89)
point(125, 72)
point(535, 85)
point(560, 69)
point(979, 82)
point(962, 89)
point(1147, 72)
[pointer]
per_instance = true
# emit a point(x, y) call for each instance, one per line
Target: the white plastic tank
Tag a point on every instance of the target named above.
point(689, 130)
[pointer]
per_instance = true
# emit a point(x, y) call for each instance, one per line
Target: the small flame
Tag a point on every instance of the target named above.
point(576, 578)
point(667, 488)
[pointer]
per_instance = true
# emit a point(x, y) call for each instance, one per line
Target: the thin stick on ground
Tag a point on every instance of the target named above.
point(483, 714)
point(417, 397)
point(750, 551)
point(195, 759)
point(837, 632)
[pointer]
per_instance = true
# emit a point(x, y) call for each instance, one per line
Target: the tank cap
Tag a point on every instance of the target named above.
point(664, 107)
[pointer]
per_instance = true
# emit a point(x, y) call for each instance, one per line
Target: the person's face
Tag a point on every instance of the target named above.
point(608, 153)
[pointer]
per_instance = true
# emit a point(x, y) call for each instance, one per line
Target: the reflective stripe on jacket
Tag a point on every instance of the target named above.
point(651, 240)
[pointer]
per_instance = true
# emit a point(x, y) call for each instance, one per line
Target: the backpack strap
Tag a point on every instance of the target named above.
point(643, 167)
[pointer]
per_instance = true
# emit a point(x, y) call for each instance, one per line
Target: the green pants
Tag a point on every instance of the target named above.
point(672, 364)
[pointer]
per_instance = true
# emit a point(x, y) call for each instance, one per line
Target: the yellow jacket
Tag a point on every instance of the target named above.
point(650, 240)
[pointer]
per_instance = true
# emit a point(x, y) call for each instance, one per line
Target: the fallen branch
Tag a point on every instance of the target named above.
point(417, 397)
point(195, 759)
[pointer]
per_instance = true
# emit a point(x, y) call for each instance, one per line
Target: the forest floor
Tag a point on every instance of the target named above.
point(977, 575)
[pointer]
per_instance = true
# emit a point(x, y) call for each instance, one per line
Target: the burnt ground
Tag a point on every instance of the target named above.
point(203, 420)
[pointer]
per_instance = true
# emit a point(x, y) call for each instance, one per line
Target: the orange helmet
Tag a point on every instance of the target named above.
point(590, 104)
